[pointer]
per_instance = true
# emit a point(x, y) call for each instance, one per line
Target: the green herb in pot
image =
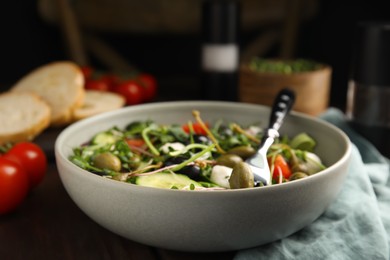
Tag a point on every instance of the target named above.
point(283, 66)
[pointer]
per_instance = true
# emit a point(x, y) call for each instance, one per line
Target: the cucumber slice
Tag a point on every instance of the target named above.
point(303, 142)
point(104, 138)
point(166, 181)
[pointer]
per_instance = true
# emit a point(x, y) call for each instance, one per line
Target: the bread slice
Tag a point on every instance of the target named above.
point(97, 102)
point(23, 116)
point(60, 84)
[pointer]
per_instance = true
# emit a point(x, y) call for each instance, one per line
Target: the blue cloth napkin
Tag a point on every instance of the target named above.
point(357, 223)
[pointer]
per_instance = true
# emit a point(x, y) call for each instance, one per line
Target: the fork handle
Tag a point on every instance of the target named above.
point(281, 107)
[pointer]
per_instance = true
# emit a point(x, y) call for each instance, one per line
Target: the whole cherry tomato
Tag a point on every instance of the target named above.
point(87, 71)
point(97, 84)
point(111, 80)
point(31, 158)
point(150, 85)
point(132, 91)
point(14, 185)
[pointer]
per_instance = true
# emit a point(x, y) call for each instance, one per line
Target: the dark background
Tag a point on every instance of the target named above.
point(28, 42)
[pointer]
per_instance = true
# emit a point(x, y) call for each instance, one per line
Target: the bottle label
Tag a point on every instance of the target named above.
point(220, 58)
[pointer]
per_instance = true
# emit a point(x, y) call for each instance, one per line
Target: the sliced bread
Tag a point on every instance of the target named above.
point(60, 84)
point(96, 102)
point(23, 116)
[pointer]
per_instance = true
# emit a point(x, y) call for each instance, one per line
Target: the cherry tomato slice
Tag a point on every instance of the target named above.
point(135, 142)
point(280, 167)
point(198, 129)
point(14, 185)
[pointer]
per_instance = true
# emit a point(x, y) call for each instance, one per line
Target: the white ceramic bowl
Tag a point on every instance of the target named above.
point(204, 221)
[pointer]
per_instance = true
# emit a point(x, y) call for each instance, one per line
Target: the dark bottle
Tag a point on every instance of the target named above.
point(220, 50)
point(368, 99)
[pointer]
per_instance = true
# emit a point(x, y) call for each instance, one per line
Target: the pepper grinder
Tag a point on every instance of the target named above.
point(368, 97)
point(220, 49)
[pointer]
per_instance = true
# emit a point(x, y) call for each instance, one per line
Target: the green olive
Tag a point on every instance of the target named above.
point(107, 161)
point(229, 160)
point(300, 167)
point(243, 151)
point(297, 165)
point(241, 177)
point(297, 175)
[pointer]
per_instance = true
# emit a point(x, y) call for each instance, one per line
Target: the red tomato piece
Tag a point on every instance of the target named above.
point(280, 167)
point(132, 91)
point(198, 129)
point(14, 185)
point(31, 158)
point(149, 83)
point(135, 142)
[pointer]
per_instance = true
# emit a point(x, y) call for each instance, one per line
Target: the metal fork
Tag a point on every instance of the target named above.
point(258, 162)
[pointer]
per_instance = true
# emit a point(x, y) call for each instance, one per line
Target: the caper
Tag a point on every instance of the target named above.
point(107, 161)
point(225, 130)
point(242, 151)
point(297, 175)
point(229, 160)
point(241, 177)
point(201, 139)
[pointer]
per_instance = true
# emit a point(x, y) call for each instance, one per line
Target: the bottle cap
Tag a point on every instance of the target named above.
point(220, 21)
point(371, 56)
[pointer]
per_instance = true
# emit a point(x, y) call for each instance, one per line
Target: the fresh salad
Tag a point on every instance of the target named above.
point(195, 155)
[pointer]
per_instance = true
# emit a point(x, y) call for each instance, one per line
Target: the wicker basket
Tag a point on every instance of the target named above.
point(312, 88)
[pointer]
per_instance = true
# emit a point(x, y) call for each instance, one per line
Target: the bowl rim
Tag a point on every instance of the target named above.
point(60, 141)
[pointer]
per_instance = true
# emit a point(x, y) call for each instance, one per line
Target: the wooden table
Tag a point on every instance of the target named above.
point(49, 225)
